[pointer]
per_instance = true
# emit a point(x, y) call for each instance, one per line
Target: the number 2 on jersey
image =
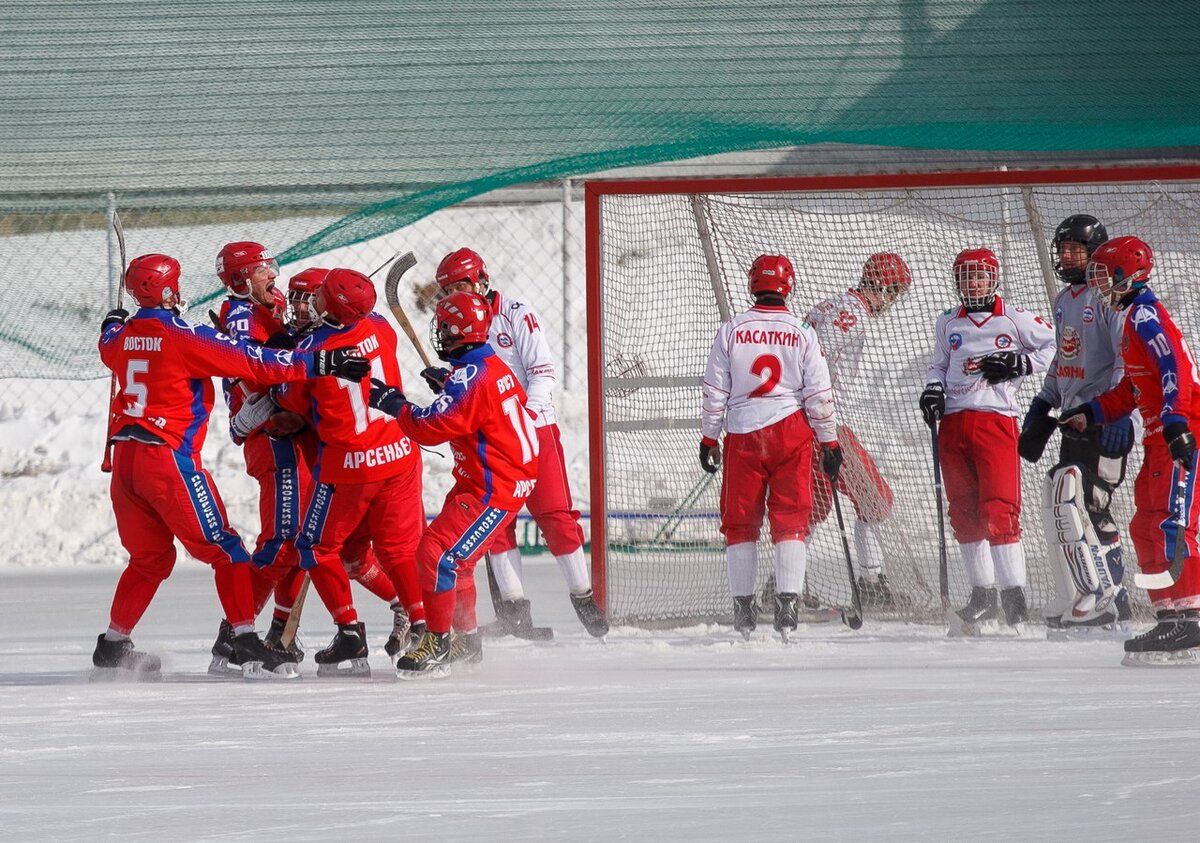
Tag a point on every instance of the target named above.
point(767, 367)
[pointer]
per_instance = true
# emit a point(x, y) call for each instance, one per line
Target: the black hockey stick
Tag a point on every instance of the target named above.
point(119, 230)
point(853, 615)
point(1179, 552)
point(943, 565)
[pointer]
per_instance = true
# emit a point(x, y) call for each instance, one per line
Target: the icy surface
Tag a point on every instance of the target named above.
point(893, 733)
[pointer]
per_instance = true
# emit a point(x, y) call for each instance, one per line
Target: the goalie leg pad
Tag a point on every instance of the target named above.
point(1075, 548)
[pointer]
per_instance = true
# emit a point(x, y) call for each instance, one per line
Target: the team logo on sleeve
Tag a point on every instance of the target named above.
point(1003, 341)
point(955, 341)
point(1170, 385)
point(504, 341)
point(1144, 313)
point(1070, 345)
point(255, 352)
point(463, 376)
point(1089, 315)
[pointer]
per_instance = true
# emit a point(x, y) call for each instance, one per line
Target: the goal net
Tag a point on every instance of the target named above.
point(667, 259)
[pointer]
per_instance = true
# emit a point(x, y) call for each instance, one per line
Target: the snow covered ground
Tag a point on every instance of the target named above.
point(892, 733)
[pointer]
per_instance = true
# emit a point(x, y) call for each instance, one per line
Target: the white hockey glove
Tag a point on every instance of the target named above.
point(255, 411)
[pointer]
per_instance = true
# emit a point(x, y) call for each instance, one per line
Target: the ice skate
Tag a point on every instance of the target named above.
point(590, 615)
point(274, 640)
point(224, 658)
point(466, 648)
point(745, 615)
point(786, 611)
point(117, 661)
point(398, 641)
point(981, 611)
point(259, 661)
point(411, 639)
point(874, 592)
point(1012, 601)
point(1173, 642)
point(349, 644)
point(430, 659)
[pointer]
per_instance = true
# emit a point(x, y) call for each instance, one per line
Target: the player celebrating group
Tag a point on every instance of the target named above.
point(1081, 533)
point(516, 336)
point(481, 412)
point(1161, 382)
point(767, 384)
point(163, 367)
point(982, 350)
point(841, 324)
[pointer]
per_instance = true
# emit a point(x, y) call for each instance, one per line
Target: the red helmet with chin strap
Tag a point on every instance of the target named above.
point(461, 318)
point(771, 274)
point(236, 262)
point(1119, 266)
point(463, 265)
point(345, 297)
point(154, 281)
point(968, 264)
point(302, 294)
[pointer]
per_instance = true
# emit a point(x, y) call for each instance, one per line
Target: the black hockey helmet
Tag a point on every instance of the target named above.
point(1078, 228)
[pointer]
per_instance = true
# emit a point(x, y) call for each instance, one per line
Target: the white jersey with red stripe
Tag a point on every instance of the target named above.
point(841, 326)
point(766, 364)
point(963, 339)
point(517, 338)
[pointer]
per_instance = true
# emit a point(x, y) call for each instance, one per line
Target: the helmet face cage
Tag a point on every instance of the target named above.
point(302, 296)
point(460, 319)
point(1079, 228)
point(971, 268)
point(887, 275)
point(1118, 268)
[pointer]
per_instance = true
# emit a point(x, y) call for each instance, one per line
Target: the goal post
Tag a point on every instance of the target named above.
point(666, 262)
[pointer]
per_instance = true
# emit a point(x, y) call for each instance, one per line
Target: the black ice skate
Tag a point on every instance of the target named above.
point(981, 608)
point(1012, 601)
point(875, 592)
point(274, 640)
point(349, 644)
point(117, 660)
point(430, 659)
point(224, 659)
point(259, 661)
point(745, 615)
point(590, 615)
point(398, 641)
point(786, 613)
point(466, 647)
point(1173, 642)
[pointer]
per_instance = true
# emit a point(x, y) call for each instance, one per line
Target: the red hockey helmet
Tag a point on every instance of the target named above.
point(236, 262)
point(972, 267)
point(1119, 267)
point(460, 319)
point(463, 265)
point(302, 294)
point(771, 274)
point(345, 297)
point(887, 274)
point(154, 281)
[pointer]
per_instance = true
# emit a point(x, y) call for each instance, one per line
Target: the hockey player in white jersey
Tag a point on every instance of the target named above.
point(768, 386)
point(516, 336)
point(1081, 534)
point(982, 350)
point(842, 323)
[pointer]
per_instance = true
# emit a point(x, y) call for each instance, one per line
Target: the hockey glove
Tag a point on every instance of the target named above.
point(710, 455)
point(341, 363)
point(255, 411)
point(1116, 439)
point(1180, 442)
point(1001, 366)
point(1036, 430)
point(831, 460)
point(436, 377)
point(387, 399)
point(933, 403)
point(116, 316)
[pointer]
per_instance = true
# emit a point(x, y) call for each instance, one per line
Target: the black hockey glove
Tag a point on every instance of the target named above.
point(1036, 430)
point(341, 363)
point(1001, 366)
point(280, 339)
point(831, 460)
point(710, 455)
point(116, 316)
point(436, 377)
point(933, 403)
point(1180, 442)
point(1116, 438)
point(1078, 418)
point(387, 399)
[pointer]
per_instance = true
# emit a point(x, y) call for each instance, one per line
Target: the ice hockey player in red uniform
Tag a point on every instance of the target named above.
point(366, 471)
point(516, 335)
point(164, 366)
point(481, 412)
point(982, 351)
point(1161, 381)
point(768, 385)
point(842, 323)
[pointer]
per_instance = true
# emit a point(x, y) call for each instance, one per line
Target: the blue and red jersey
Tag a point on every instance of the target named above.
point(246, 321)
point(482, 414)
point(357, 444)
point(164, 367)
point(1160, 373)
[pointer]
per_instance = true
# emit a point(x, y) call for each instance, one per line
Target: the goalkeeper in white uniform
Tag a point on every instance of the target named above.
point(768, 385)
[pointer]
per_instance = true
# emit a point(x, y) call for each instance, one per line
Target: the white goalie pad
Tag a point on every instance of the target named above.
point(1081, 572)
